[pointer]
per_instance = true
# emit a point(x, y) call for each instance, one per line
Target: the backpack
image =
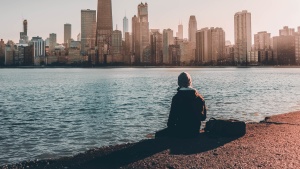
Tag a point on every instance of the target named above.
point(225, 128)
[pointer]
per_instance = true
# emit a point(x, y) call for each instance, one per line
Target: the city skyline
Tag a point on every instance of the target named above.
point(267, 16)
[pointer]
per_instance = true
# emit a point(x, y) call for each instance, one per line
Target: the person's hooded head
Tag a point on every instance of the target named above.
point(184, 80)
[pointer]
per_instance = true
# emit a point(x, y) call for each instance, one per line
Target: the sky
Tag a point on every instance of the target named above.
point(45, 17)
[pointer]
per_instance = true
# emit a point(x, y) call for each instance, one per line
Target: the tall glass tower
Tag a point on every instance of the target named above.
point(192, 28)
point(125, 26)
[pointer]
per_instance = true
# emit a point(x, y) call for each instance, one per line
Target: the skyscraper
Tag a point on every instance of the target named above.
point(23, 35)
point(104, 29)
point(88, 30)
point(242, 36)
point(179, 34)
point(192, 28)
point(125, 26)
point(25, 27)
point(67, 34)
point(140, 31)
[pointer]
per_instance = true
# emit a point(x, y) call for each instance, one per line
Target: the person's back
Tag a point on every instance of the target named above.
point(187, 110)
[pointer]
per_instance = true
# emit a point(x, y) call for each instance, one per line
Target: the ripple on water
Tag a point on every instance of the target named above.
point(70, 110)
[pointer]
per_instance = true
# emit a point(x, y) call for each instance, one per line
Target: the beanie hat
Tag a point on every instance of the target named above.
point(184, 80)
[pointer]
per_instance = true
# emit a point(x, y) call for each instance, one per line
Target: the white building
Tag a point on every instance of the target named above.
point(38, 49)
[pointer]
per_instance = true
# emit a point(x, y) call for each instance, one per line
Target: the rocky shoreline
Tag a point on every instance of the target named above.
point(272, 143)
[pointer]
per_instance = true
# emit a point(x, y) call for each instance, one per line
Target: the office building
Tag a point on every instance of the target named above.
point(39, 49)
point(168, 40)
point(125, 26)
point(242, 37)
point(156, 42)
point(104, 30)
point(52, 42)
point(210, 46)
point(128, 48)
point(88, 30)
point(117, 49)
point(140, 33)
point(192, 28)
point(67, 34)
point(179, 34)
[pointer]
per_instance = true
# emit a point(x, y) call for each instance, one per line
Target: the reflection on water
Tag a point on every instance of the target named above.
point(48, 113)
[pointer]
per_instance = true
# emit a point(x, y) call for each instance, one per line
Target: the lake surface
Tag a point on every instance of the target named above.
point(46, 113)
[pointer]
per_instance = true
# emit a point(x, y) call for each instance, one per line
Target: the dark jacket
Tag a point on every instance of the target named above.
point(187, 111)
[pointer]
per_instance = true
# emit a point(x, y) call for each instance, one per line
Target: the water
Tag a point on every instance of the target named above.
point(49, 113)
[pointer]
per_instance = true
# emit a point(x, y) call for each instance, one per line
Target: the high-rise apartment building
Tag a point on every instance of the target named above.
point(67, 34)
point(210, 45)
point(192, 28)
point(104, 30)
point(125, 26)
point(140, 33)
point(286, 31)
point(262, 47)
point(179, 34)
point(242, 36)
point(88, 30)
point(52, 42)
point(168, 40)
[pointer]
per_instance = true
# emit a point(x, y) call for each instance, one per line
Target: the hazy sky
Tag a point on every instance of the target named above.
point(45, 17)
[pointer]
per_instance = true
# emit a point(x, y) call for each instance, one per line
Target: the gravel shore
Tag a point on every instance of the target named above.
point(272, 143)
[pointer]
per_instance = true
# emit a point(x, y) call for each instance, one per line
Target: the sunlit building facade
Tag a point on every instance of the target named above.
point(262, 47)
point(242, 37)
point(192, 28)
point(210, 45)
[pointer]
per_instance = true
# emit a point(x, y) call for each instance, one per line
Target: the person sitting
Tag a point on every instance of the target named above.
point(187, 111)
